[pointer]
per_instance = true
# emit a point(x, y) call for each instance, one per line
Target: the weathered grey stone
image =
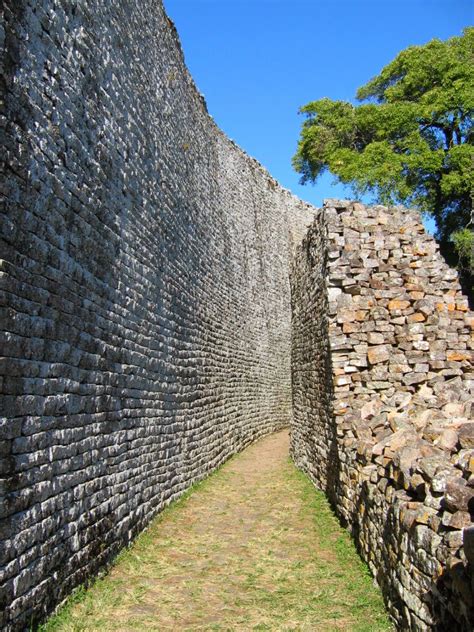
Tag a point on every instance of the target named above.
point(145, 331)
point(458, 496)
point(400, 475)
point(468, 543)
point(448, 439)
point(466, 435)
point(457, 520)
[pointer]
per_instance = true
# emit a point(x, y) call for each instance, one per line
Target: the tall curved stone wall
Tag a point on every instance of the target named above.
point(383, 391)
point(145, 305)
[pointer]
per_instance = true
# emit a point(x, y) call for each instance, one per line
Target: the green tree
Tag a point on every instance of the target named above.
point(411, 142)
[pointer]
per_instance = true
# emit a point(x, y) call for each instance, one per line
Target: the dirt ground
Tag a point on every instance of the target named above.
point(254, 547)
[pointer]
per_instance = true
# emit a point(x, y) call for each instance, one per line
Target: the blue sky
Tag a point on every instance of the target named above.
point(258, 61)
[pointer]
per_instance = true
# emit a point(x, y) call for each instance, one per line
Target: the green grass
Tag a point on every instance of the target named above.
point(252, 547)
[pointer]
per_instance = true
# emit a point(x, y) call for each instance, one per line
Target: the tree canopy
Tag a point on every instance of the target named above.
point(411, 142)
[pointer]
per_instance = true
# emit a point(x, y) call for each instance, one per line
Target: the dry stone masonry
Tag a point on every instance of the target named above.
point(145, 326)
point(393, 446)
point(145, 301)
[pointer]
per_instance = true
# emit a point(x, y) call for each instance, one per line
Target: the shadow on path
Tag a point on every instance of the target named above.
point(254, 547)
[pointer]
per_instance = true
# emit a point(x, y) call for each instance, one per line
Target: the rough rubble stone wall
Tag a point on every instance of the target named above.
point(394, 449)
point(145, 307)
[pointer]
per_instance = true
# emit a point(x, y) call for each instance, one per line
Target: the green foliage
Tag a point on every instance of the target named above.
point(464, 245)
point(411, 142)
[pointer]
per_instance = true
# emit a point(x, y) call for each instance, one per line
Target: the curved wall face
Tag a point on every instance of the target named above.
point(145, 296)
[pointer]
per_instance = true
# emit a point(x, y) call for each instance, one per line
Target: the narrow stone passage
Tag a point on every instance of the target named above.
point(254, 547)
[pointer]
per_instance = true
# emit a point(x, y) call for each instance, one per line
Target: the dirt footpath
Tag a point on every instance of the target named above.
point(254, 547)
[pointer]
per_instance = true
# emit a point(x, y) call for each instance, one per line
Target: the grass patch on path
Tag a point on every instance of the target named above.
point(253, 547)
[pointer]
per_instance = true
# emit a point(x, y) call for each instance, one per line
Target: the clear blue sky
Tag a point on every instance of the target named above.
point(258, 61)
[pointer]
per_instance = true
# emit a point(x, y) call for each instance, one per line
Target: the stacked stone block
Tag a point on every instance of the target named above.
point(394, 449)
point(145, 316)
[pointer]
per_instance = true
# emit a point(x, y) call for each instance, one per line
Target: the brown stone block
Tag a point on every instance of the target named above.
point(398, 304)
point(458, 496)
point(350, 328)
point(466, 435)
point(458, 356)
point(424, 515)
point(346, 316)
point(457, 520)
point(380, 353)
point(407, 517)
